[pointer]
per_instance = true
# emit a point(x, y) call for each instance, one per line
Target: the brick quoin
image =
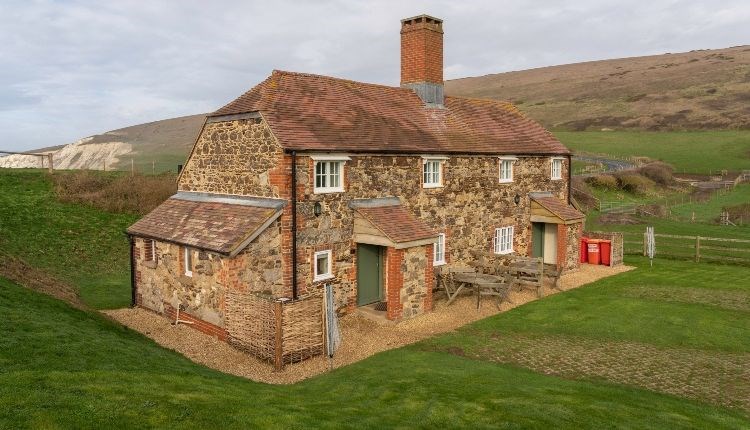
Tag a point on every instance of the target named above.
point(429, 278)
point(421, 50)
point(394, 282)
point(562, 244)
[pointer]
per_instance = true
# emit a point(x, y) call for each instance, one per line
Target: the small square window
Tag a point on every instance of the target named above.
point(439, 251)
point(188, 261)
point(557, 168)
point(503, 240)
point(432, 173)
point(322, 265)
point(328, 176)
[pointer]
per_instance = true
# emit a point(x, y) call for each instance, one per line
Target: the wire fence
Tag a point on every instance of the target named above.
point(695, 248)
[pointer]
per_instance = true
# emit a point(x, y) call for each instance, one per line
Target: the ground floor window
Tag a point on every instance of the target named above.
point(439, 251)
point(503, 240)
point(322, 265)
point(188, 261)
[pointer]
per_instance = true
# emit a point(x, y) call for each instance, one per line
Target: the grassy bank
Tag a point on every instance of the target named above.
point(67, 368)
point(79, 244)
point(693, 151)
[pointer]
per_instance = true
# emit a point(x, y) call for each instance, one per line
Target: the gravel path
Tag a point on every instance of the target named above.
point(361, 337)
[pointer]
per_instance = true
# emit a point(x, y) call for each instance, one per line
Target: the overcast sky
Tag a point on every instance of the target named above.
point(70, 69)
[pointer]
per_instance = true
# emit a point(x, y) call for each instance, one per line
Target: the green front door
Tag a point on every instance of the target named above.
point(369, 274)
point(537, 239)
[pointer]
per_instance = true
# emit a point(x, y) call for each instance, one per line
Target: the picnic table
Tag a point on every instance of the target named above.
point(483, 285)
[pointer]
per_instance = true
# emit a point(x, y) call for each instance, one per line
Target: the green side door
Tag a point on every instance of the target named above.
point(369, 274)
point(537, 239)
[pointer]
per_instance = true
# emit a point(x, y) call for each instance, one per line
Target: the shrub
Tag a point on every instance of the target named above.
point(659, 172)
point(607, 182)
point(634, 183)
point(114, 192)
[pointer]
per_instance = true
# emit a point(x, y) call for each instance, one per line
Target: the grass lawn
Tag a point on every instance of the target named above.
point(83, 246)
point(64, 368)
point(689, 151)
point(710, 210)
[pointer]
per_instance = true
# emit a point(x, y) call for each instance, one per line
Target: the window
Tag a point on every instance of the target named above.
point(432, 175)
point(557, 168)
point(188, 261)
point(506, 169)
point(149, 250)
point(503, 240)
point(322, 265)
point(439, 251)
point(328, 176)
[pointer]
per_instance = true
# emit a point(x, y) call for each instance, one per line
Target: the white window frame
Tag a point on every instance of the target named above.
point(552, 168)
point(187, 260)
point(153, 250)
point(438, 251)
point(328, 160)
point(503, 240)
point(511, 161)
point(432, 161)
point(329, 269)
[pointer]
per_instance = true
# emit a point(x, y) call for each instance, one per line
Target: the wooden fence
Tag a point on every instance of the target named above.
point(696, 248)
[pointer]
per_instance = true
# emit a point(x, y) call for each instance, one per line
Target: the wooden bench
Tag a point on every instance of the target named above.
point(526, 272)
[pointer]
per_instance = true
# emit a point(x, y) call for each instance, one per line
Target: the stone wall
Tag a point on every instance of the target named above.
point(162, 283)
point(414, 289)
point(234, 157)
point(468, 208)
point(572, 250)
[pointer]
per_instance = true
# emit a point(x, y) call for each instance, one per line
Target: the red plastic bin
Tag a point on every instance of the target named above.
point(593, 251)
point(605, 252)
point(584, 250)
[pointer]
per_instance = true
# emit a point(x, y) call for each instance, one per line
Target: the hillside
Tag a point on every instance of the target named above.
point(697, 90)
point(160, 145)
point(705, 89)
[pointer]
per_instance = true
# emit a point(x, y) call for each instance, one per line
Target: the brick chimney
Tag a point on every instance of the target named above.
point(422, 58)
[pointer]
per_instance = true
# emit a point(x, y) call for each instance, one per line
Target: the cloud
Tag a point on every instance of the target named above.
point(74, 68)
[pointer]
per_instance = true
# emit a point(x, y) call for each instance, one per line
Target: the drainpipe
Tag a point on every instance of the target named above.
point(570, 178)
point(132, 271)
point(294, 225)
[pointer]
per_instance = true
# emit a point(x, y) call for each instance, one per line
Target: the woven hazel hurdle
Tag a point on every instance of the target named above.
point(277, 331)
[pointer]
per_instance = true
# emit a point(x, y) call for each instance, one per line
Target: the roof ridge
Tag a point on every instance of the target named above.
point(351, 81)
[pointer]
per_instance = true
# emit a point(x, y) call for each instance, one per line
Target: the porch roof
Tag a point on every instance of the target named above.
point(218, 223)
point(546, 208)
point(387, 222)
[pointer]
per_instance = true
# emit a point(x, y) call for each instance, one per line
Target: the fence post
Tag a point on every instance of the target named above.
point(278, 350)
point(49, 159)
point(697, 249)
point(645, 243)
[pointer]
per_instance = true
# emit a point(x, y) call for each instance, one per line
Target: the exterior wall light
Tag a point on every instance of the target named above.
point(317, 209)
point(517, 199)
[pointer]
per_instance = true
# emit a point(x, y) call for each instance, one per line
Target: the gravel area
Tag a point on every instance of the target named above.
point(361, 337)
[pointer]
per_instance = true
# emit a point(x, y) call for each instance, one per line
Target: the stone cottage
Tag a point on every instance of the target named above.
point(308, 180)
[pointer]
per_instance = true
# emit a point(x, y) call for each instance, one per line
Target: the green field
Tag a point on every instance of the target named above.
point(689, 151)
point(66, 368)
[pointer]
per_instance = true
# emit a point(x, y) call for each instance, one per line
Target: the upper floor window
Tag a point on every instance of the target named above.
point(557, 168)
point(506, 169)
point(439, 251)
point(432, 172)
point(503, 240)
point(322, 263)
point(329, 173)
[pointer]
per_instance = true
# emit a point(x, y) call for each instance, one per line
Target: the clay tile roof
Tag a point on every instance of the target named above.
point(397, 223)
point(219, 225)
point(558, 207)
point(312, 112)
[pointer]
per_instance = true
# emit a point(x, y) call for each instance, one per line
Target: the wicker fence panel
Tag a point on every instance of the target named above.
point(251, 324)
point(254, 326)
point(302, 329)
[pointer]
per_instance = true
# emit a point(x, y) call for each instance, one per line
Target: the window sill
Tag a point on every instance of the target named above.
point(505, 181)
point(323, 278)
point(327, 190)
point(151, 264)
point(504, 252)
point(438, 263)
point(432, 185)
point(557, 179)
